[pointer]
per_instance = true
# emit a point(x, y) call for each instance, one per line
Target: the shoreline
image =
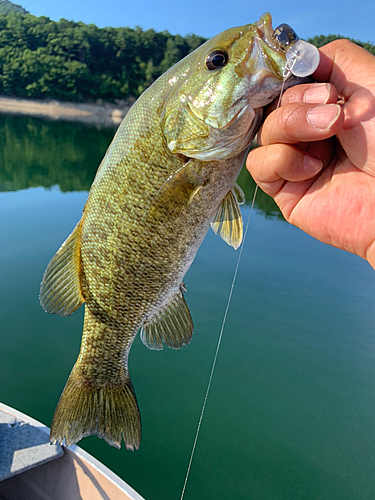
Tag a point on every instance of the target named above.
point(99, 113)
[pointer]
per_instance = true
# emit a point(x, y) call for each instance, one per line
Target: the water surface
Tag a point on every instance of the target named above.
point(291, 414)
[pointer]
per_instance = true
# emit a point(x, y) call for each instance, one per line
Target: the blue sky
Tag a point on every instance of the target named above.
point(209, 17)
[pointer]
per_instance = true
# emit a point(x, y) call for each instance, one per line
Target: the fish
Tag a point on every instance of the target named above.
point(167, 177)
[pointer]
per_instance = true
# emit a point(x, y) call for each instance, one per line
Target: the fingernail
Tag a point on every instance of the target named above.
point(323, 116)
point(312, 165)
point(318, 94)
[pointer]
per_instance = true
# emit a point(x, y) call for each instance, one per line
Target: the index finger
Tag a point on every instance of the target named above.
point(300, 122)
point(310, 93)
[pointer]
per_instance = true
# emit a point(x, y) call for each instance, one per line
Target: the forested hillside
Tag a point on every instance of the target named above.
point(65, 60)
point(6, 7)
point(40, 58)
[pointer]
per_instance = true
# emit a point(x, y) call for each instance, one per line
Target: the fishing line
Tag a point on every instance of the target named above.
point(296, 56)
point(228, 304)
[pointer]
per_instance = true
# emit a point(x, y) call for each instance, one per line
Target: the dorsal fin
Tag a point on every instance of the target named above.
point(227, 222)
point(60, 291)
point(172, 325)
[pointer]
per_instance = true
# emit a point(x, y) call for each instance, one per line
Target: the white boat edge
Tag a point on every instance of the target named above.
point(79, 452)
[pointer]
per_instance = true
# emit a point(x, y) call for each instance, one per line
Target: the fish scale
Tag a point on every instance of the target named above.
point(168, 175)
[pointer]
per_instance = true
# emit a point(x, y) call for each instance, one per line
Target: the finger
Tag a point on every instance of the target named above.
point(311, 93)
point(299, 122)
point(351, 69)
point(339, 63)
point(274, 165)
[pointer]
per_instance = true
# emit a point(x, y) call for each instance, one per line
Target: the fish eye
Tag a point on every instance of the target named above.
point(216, 59)
point(285, 35)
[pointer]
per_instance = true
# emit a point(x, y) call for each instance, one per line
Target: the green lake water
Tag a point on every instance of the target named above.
point(291, 413)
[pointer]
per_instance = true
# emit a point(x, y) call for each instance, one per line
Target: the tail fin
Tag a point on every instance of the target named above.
point(106, 410)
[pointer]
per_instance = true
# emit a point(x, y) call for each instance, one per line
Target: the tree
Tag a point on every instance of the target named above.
point(41, 58)
point(7, 7)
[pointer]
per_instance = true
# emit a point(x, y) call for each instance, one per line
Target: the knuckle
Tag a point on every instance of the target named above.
point(341, 44)
point(287, 120)
point(294, 94)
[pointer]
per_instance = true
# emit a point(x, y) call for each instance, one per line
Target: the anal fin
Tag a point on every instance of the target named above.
point(60, 290)
point(172, 325)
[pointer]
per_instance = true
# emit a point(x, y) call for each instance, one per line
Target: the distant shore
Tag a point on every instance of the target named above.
point(100, 113)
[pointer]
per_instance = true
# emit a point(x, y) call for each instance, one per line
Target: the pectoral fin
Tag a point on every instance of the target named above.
point(60, 291)
point(178, 191)
point(172, 325)
point(228, 219)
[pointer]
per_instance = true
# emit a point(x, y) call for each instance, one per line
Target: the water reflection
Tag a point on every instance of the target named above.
point(291, 409)
point(36, 152)
point(40, 153)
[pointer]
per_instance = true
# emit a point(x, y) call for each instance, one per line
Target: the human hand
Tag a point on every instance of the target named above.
point(319, 165)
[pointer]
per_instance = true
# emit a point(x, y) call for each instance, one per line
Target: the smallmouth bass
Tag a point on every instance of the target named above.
point(168, 175)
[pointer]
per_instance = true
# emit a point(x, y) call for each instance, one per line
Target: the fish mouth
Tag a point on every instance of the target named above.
point(266, 31)
point(274, 44)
